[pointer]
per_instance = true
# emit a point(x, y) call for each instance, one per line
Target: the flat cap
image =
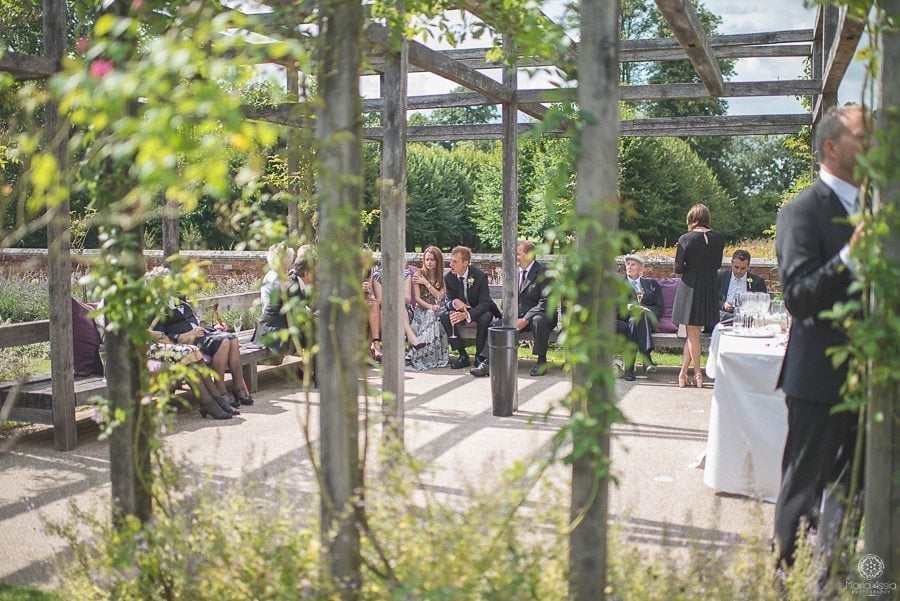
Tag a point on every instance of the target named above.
point(637, 258)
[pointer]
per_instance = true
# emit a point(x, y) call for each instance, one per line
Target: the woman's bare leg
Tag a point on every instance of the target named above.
point(693, 343)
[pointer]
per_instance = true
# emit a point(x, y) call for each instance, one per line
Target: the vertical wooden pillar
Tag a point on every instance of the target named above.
point(171, 239)
point(509, 113)
point(293, 155)
point(341, 309)
point(882, 500)
point(596, 206)
point(59, 259)
point(393, 238)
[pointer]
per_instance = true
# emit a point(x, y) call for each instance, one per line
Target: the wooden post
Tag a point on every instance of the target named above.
point(293, 155)
point(341, 310)
point(171, 239)
point(596, 202)
point(393, 239)
point(510, 211)
point(59, 258)
point(882, 499)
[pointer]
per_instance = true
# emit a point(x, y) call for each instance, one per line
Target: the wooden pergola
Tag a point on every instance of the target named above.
point(829, 44)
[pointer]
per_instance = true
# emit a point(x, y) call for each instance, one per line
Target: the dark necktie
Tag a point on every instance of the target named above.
point(522, 278)
point(462, 289)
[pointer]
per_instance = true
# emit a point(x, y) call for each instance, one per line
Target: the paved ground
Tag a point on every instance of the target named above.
point(660, 500)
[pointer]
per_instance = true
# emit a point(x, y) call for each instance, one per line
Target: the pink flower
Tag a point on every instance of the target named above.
point(101, 67)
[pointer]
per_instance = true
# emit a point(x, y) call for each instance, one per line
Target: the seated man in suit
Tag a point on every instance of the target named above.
point(467, 301)
point(532, 308)
point(649, 297)
point(739, 279)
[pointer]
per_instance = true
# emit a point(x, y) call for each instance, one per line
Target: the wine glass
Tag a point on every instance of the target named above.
point(238, 324)
point(198, 312)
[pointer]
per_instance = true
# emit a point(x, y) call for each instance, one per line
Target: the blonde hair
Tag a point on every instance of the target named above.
point(698, 216)
point(280, 257)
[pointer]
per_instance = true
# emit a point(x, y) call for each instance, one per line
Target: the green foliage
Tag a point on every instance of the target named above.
point(23, 298)
point(18, 593)
point(661, 178)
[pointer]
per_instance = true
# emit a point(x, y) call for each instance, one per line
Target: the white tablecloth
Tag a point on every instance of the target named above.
point(748, 417)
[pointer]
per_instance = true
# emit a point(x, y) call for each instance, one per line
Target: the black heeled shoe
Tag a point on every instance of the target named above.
point(224, 401)
point(243, 399)
point(213, 410)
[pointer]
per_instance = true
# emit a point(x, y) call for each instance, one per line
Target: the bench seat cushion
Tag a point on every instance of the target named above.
point(665, 325)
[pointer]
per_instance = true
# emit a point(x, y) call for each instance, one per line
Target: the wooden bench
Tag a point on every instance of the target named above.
point(34, 395)
point(661, 340)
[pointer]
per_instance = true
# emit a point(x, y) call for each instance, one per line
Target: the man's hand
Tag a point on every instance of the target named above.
point(460, 304)
point(459, 317)
point(728, 307)
point(521, 324)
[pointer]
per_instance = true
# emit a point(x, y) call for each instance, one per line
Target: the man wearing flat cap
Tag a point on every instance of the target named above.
point(647, 295)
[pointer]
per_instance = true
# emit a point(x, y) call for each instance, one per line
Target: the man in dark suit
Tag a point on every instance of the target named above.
point(649, 298)
point(813, 244)
point(533, 317)
point(739, 279)
point(467, 301)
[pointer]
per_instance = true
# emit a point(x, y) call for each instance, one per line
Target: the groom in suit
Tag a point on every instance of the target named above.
point(739, 279)
point(468, 301)
point(813, 244)
point(648, 294)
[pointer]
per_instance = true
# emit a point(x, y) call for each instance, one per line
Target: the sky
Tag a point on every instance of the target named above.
point(738, 16)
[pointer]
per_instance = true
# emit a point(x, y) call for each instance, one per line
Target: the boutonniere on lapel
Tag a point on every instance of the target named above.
point(749, 281)
point(470, 282)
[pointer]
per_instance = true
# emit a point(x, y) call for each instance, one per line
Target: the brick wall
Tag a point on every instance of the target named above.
point(223, 265)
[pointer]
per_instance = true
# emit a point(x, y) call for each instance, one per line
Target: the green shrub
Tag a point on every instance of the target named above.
point(23, 298)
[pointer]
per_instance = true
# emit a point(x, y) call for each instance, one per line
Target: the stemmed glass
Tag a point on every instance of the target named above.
point(453, 331)
point(238, 324)
point(198, 312)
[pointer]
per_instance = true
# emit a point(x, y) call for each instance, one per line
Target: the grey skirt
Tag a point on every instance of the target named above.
point(681, 308)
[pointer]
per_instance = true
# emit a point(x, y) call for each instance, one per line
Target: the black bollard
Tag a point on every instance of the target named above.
point(502, 342)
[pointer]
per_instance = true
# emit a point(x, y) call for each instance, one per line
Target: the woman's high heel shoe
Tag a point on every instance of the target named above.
point(213, 410)
point(698, 379)
point(224, 401)
point(376, 352)
point(682, 379)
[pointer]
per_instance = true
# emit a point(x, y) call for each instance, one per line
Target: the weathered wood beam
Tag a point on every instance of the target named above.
point(25, 66)
point(715, 125)
point(744, 45)
point(837, 60)
point(689, 31)
point(786, 87)
point(29, 332)
point(436, 63)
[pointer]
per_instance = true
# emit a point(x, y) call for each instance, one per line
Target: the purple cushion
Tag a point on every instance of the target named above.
point(665, 324)
point(85, 340)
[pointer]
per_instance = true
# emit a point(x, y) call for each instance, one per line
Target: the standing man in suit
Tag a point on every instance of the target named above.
point(739, 279)
point(648, 294)
point(467, 301)
point(813, 244)
point(533, 317)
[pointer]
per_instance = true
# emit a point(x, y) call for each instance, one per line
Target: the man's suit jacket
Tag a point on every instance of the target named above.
point(811, 230)
point(478, 293)
point(754, 284)
point(533, 296)
point(653, 298)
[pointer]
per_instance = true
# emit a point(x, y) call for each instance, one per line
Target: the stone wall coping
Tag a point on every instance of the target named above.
point(411, 257)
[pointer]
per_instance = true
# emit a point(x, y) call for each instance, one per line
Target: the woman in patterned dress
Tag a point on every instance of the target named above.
point(428, 292)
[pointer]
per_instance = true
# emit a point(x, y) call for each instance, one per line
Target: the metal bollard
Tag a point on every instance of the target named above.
point(502, 342)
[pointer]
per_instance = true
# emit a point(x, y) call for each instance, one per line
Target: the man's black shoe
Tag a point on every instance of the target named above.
point(629, 375)
point(461, 362)
point(539, 369)
point(481, 370)
point(650, 367)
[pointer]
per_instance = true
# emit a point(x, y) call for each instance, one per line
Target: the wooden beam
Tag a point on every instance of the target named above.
point(715, 125)
point(689, 31)
point(29, 332)
point(837, 59)
point(437, 63)
point(24, 66)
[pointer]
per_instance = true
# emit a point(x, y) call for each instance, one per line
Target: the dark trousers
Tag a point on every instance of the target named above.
point(638, 331)
point(458, 344)
point(540, 328)
point(815, 467)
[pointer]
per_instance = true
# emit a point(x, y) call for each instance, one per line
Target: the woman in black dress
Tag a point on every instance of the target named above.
point(698, 258)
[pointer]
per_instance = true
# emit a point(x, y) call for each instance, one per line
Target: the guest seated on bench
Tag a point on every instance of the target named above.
point(373, 288)
point(735, 281)
point(181, 326)
point(648, 294)
point(428, 292)
point(212, 403)
point(276, 320)
point(467, 301)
